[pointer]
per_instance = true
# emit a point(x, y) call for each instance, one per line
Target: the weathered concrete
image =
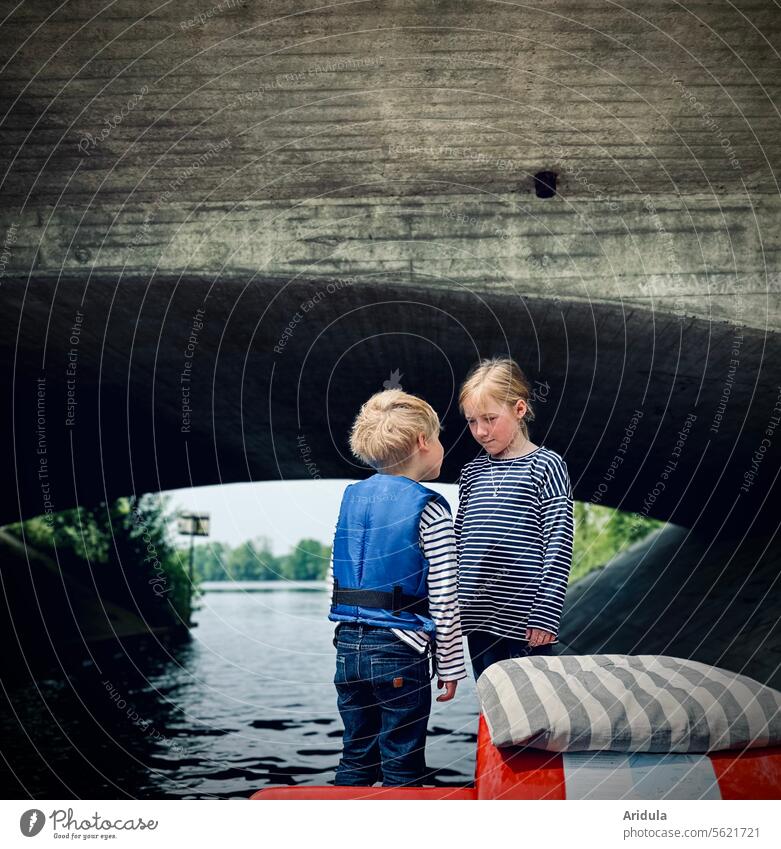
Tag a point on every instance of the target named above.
point(685, 595)
point(404, 136)
point(639, 99)
point(665, 416)
point(714, 258)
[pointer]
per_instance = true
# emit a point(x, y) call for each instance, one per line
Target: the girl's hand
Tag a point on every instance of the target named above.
point(537, 637)
point(450, 689)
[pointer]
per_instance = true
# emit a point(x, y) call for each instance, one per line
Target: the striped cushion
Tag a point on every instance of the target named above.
point(643, 703)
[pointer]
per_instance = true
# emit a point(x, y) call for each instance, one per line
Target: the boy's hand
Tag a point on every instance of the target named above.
point(450, 689)
point(537, 637)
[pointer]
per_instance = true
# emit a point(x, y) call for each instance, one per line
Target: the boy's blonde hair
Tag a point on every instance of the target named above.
point(385, 431)
point(500, 379)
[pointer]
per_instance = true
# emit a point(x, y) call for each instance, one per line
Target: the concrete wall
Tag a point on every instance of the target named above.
point(266, 139)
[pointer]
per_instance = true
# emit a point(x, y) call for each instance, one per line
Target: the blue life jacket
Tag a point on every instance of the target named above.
point(380, 573)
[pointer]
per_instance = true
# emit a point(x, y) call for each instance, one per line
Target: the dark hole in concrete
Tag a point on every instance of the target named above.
point(545, 184)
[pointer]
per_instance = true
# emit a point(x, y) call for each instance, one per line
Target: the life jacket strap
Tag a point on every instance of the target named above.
point(395, 601)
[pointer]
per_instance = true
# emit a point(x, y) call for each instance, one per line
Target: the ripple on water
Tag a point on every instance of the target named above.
point(206, 696)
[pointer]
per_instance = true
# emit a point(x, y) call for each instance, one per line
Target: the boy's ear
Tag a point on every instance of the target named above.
point(422, 441)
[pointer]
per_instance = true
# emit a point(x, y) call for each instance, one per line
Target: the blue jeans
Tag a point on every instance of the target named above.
point(485, 649)
point(384, 698)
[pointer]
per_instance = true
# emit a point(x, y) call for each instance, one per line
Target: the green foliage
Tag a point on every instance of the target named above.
point(210, 561)
point(307, 562)
point(125, 547)
point(146, 537)
point(601, 533)
point(128, 547)
point(254, 561)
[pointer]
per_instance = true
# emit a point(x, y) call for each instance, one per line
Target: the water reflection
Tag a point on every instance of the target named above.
point(248, 701)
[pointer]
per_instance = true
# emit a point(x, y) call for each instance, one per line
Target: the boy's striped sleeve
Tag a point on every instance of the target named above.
point(438, 543)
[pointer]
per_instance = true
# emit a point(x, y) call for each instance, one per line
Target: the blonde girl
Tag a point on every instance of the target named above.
point(514, 527)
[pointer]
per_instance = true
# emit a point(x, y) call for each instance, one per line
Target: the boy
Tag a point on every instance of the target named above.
point(394, 590)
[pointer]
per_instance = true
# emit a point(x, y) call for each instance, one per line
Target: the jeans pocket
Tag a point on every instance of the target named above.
point(398, 682)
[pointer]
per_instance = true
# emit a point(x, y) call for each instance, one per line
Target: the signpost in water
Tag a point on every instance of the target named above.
point(194, 525)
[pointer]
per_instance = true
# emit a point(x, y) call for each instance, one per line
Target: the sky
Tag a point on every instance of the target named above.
point(284, 511)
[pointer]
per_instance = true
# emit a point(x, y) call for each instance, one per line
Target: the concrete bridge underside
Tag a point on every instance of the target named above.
point(646, 407)
point(292, 211)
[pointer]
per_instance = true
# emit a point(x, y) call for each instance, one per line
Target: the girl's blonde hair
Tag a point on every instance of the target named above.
point(385, 431)
point(502, 380)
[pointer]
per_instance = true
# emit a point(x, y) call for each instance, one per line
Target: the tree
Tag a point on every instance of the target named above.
point(253, 561)
point(603, 532)
point(307, 562)
point(124, 547)
point(210, 561)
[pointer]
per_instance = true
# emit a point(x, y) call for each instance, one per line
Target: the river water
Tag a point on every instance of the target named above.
point(245, 703)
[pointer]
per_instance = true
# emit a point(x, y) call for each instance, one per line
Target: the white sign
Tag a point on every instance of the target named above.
point(194, 524)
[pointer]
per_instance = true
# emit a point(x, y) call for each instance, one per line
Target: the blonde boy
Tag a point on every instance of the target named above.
point(394, 594)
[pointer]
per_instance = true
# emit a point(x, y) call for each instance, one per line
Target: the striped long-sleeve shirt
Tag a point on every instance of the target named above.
point(438, 544)
point(514, 535)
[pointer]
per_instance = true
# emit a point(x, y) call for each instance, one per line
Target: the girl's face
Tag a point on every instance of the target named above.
point(493, 424)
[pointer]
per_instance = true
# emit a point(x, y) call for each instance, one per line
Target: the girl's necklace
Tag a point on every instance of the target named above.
point(496, 486)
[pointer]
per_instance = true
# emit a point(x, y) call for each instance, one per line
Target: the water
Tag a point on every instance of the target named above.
point(246, 703)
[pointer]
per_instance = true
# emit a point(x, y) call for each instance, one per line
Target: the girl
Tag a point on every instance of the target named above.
point(514, 526)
